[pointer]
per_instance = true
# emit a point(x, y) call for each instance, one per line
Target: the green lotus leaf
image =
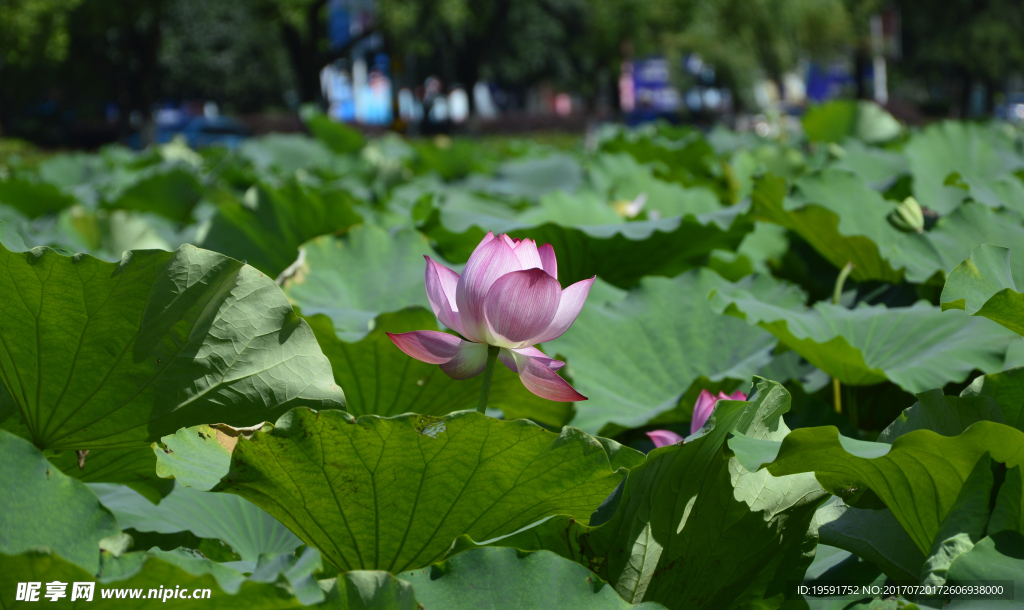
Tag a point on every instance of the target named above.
point(369, 590)
point(392, 494)
point(1007, 389)
point(266, 227)
point(33, 199)
point(690, 528)
point(981, 159)
point(837, 120)
point(621, 177)
point(838, 215)
point(341, 139)
point(528, 178)
point(634, 358)
point(148, 571)
point(945, 415)
point(830, 122)
point(917, 347)
point(919, 476)
point(245, 527)
point(116, 355)
point(379, 379)
point(287, 153)
point(873, 535)
point(168, 190)
point(496, 578)
point(964, 524)
point(929, 256)
point(879, 167)
point(42, 508)
point(984, 286)
point(354, 278)
point(999, 557)
point(1008, 510)
point(134, 468)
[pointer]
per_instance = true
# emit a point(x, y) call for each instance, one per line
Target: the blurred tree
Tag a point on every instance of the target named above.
point(33, 36)
point(571, 43)
point(747, 39)
point(967, 42)
point(223, 51)
point(114, 55)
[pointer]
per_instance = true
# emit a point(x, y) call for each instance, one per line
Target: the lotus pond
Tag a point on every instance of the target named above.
point(660, 369)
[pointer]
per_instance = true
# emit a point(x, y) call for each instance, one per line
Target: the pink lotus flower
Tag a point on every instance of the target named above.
point(509, 297)
point(701, 412)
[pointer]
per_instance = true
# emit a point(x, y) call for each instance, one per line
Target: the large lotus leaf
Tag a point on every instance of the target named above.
point(877, 166)
point(838, 120)
point(266, 227)
point(134, 468)
point(341, 139)
point(830, 122)
point(688, 160)
point(452, 160)
point(168, 190)
point(946, 415)
point(765, 245)
point(983, 286)
point(71, 169)
point(531, 177)
point(245, 527)
point(150, 572)
point(42, 508)
point(919, 476)
point(964, 524)
point(999, 558)
point(977, 154)
point(379, 379)
point(581, 207)
point(634, 358)
point(934, 253)
point(619, 253)
point(392, 494)
point(107, 234)
point(1008, 509)
point(104, 355)
point(1007, 389)
point(691, 528)
point(369, 590)
point(838, 215)
point(832, 564)
point(621, 177)
point(500, 577)
point(33, 198)
point(874, 535)
point(287, 153)
point(916, 347)
point(355, 277)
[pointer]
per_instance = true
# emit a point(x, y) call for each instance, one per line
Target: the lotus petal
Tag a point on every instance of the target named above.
point(663, 438)
point(470, 361)
point(487, 263)
point(520, 305)
point(428, 345)
point(539, 376)
point(529, 257)
point(441, 283)
point(702, 410)
point(547, 260)
point(508, 359)
point(569, 306)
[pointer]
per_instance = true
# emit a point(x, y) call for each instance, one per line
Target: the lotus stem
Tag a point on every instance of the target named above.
point(837, 293)
point(485, 388)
